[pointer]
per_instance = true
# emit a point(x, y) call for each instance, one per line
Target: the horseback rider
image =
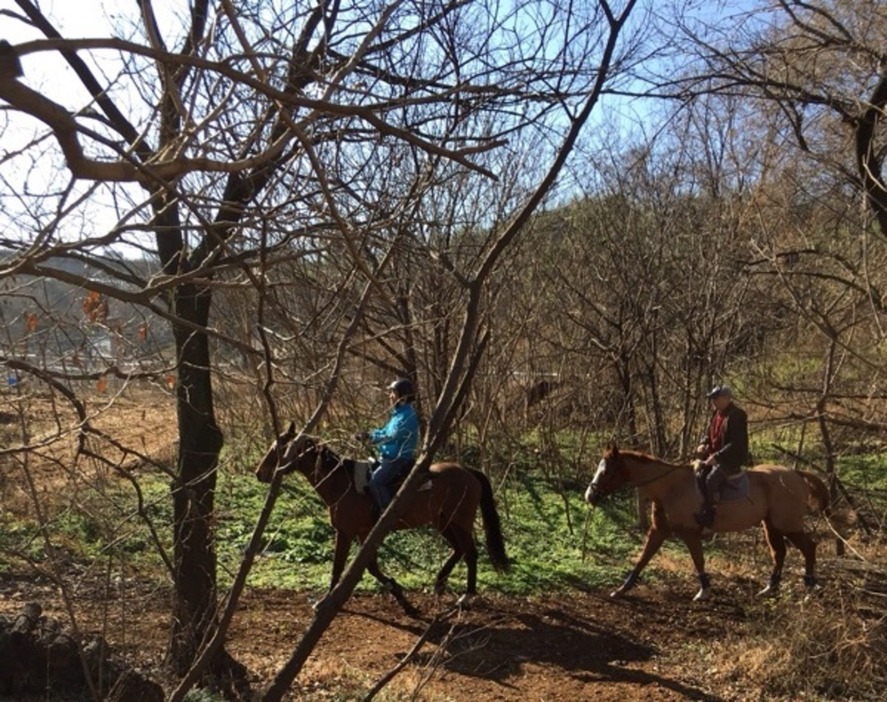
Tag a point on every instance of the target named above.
point(397, 442)
point(723, 450)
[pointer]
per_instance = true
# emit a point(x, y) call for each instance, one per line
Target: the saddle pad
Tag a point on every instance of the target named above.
point(735, 488)
point(362, 475)
point(364, 469)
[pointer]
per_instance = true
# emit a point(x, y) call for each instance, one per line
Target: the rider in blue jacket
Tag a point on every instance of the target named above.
point(397, 442)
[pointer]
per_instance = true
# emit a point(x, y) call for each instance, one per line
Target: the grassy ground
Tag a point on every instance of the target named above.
point(547, 550)
point(553, 539)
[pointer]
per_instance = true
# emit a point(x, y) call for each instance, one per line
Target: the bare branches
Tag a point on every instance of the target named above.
point(158, 170)
point(813, 55)
point(168, 165)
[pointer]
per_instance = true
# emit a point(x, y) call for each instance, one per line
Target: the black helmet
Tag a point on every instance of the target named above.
point(719, 391)
point(402, 387)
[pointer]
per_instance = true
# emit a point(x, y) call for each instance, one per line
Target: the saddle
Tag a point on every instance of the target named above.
point(735, 488)
point(363, 471)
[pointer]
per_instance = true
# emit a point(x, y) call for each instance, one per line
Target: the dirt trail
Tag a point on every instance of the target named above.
point(573, 647)
point(576, 648)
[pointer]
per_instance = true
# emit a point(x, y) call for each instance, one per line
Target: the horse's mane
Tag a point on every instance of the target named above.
point(331, 459)
point(643, 457)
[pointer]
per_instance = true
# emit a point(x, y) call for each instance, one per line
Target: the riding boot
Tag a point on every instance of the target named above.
point(706, 517)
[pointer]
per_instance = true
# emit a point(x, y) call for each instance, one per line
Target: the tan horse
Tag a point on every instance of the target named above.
point(449, 505)
point(778, 498)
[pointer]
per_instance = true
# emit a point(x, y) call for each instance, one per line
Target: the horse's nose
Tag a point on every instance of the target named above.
point(591, 494)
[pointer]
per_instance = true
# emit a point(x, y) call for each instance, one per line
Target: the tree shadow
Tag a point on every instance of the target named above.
point(497, 644)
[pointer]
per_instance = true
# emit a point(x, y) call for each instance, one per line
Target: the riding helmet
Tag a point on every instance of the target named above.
point(402, 387)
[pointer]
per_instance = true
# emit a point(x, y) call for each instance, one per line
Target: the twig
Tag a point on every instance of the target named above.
point(411, 654)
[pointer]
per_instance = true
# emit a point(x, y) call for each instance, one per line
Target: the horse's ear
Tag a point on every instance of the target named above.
point(612, 449)
point(291, 431)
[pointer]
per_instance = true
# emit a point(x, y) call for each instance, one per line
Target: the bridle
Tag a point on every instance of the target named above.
point(604, 477)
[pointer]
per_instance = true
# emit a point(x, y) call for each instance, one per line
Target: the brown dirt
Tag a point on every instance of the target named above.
point(501, 649)
point(579, 646)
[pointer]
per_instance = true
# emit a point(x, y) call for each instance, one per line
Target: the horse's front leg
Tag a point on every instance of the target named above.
point(392, 586)
point(342, 546)
point(655, 537)
point(693, 539)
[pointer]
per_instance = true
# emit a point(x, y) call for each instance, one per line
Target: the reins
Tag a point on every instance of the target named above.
point(671, 469)
point(329, 462)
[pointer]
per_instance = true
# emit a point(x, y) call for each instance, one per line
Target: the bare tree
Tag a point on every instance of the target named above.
point(818, 65)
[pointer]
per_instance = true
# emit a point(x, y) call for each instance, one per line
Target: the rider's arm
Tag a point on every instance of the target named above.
point(705, 440)
point(388, 432)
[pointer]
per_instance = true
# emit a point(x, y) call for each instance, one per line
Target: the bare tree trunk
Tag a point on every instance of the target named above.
point(200, 440)
point(828, 446)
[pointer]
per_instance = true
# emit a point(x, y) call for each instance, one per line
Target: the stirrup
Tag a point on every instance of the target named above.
point(705, 518)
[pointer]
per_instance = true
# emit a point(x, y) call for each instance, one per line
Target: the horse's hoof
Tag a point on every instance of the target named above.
point(465, 601)
point(812, 595)
point(617, 594)
point(703, 594)
point(768, 591)
point(813, 591)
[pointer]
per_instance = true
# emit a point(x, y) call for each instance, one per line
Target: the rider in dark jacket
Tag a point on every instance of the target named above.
point(723, 449)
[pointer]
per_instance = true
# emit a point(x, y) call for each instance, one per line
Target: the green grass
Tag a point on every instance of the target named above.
point(546, 551)
point(554, 542)
point(865, 472)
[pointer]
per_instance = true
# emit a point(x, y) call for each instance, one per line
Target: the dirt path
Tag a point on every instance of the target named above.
point(573, 648)
point(580, 646)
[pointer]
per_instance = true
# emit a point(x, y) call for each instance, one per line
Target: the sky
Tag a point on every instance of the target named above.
point(48, 73)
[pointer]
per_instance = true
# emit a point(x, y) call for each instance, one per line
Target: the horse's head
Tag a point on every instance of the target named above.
point(609, 476)
point(286, 454)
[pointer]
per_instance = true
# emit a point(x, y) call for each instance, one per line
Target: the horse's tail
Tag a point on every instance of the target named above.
point(818, 499)
point(492, 525)
point(839, 520)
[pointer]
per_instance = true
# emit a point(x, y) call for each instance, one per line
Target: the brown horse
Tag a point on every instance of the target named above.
point(449, 505)
point(778, 498)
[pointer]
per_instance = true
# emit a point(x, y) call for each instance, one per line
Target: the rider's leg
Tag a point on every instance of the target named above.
point(380, 482)
point(713, 484)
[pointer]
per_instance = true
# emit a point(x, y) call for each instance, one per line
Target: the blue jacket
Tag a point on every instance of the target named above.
point(400, 435)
